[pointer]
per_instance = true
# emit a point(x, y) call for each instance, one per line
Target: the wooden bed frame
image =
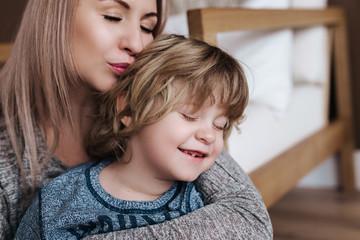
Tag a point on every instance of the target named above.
point(5, 49)
point(275, 178)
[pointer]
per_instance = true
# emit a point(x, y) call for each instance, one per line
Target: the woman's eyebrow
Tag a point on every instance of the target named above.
point(127, 6)
point(122, 3)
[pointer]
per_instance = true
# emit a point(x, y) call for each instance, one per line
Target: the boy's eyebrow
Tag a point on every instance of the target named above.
point(127, 6)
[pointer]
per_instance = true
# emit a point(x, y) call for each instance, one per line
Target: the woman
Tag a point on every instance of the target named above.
point(66, 51)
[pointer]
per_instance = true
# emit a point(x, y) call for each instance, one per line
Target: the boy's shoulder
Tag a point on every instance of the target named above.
point(69, 187)
point(69, 179)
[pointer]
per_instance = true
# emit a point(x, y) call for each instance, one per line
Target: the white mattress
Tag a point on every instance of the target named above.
point(263, 135)
point(285, 63)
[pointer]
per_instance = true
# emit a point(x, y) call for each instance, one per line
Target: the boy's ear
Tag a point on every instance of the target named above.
point(126, 120)
point(120, 106)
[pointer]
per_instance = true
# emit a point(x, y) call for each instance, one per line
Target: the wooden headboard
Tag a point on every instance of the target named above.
point(279, 175)
point(5, 49)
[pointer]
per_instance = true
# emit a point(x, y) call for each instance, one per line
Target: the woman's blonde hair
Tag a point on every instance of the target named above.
point(37, 78)
point(169, 70)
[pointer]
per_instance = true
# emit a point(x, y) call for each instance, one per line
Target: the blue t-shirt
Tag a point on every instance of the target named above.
point(74, 205)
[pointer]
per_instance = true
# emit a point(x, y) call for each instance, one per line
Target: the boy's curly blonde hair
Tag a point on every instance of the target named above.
point(170, 70)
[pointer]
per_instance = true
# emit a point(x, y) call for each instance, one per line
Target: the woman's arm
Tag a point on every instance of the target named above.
point(5, 230)
point(234, 210)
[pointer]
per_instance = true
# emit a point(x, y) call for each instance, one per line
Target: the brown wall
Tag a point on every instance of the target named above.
point(352, 7)
point(11, 10)
point(10, 15)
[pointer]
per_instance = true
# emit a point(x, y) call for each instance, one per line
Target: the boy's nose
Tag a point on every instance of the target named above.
point(206, 135)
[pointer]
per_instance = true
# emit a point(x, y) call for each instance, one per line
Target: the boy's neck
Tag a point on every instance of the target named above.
point(127, 182)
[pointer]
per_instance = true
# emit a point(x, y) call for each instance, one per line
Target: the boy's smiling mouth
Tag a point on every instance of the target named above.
point(193, 153)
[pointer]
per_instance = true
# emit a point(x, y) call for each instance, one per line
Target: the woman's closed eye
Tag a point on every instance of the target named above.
point(118, 19)
point(112, 18)
point(146, 29)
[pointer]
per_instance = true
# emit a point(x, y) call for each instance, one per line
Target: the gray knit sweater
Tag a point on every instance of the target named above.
point(233, 207)
point(84, 208)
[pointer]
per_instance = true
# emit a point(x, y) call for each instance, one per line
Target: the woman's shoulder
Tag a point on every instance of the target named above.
point(9, 167)
point(11, 188)
point(7, 152)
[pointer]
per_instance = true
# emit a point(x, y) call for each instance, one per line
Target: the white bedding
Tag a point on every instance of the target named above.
point(288, 88)
point(263, 135)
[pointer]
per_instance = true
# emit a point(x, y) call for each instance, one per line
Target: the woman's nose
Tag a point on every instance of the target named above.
point(206, 135)
point(132, 41)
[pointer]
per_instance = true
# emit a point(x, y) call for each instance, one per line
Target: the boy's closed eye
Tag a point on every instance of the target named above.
point(218, 127)
point(189, 117)
point(220, 123)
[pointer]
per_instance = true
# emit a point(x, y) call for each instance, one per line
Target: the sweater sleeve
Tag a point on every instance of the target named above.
point(234, 210)
point(5, 230)
point(29, 227)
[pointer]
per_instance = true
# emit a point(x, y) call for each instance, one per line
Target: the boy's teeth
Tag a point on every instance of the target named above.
point(191, 154)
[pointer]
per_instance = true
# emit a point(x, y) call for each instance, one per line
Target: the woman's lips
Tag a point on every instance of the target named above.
point(119, 67)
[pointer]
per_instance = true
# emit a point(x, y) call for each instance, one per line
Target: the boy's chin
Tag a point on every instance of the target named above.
point(188, 178)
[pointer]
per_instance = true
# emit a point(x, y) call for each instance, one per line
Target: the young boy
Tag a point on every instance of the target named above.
point(157, 130)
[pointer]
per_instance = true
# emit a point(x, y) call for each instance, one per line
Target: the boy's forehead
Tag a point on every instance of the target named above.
point(194, 105)
point(194, 97)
